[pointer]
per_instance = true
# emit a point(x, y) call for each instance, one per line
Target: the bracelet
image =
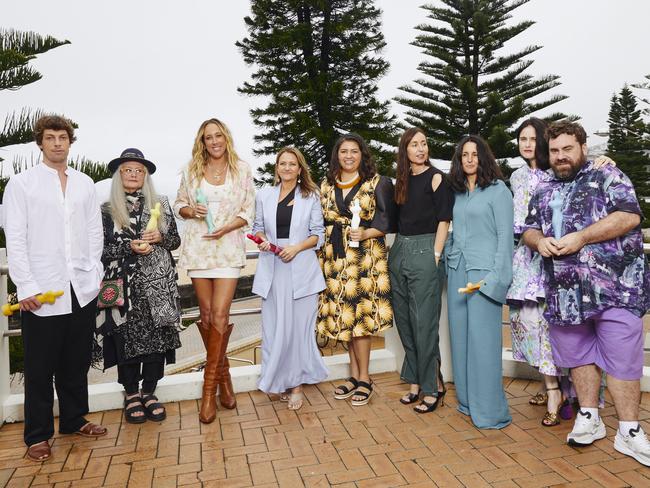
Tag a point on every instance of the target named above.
point(437, 254)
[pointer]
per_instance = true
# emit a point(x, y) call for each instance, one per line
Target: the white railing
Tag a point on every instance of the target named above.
point(186, 386)
point(5, 377)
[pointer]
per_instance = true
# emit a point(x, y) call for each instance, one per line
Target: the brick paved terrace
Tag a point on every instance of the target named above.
point(327, 443)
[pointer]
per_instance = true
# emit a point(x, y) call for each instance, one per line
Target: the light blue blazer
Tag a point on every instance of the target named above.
point(306, 221)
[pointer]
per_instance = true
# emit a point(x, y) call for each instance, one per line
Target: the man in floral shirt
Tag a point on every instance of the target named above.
point(586, 225)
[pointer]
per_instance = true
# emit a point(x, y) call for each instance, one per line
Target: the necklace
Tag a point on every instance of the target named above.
point(344, 185)
point(217, 174)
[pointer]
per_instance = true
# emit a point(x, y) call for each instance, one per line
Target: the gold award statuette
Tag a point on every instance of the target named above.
point(153, 222)
point(470, 287)
point(47, 297)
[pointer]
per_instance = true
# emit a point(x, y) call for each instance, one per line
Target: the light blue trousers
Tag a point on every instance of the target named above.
point(476, 349)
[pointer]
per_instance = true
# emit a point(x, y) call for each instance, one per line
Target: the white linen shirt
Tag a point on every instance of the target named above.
point(54, 240)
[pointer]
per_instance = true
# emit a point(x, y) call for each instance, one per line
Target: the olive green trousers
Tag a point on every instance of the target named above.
point(416, 288)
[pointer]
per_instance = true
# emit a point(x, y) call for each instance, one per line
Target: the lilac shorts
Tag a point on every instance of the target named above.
point(612, 340)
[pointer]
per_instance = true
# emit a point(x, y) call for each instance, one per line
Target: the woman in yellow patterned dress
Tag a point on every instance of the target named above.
point(356, 303)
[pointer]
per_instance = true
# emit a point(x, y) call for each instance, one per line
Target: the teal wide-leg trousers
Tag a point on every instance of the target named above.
point(476, 348)
point(416, 288)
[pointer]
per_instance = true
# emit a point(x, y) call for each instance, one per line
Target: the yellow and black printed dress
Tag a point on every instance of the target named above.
point(356, 301)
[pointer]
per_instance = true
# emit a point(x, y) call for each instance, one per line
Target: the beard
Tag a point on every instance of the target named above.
point(568, 168)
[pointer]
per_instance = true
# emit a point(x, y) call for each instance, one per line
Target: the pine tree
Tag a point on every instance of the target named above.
point(645, 100)
point(317, 65)
point(627, 142)
point(17, 49)
point(645, 85)
point(470, 85)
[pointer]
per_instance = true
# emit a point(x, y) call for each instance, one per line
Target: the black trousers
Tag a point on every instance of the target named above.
point(150, 371)
point(58, 347)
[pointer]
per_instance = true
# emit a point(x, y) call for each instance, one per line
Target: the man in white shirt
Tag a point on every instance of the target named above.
point(54, 242)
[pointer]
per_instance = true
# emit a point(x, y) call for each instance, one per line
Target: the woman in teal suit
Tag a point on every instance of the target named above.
point(480, 252)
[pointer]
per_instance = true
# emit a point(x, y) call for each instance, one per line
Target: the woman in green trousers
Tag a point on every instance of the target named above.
point(480, 252)
point(425, 202)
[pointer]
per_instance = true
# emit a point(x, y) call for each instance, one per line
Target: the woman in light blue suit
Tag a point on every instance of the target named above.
point(480, 252)
point(289, 215)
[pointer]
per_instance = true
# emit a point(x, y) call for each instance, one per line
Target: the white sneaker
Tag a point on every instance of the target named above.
point(586, 430)
point(635, 444)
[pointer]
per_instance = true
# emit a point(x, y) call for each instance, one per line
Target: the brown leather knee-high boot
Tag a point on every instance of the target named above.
point(226, 392)
point(216, 345)
point(205, 333)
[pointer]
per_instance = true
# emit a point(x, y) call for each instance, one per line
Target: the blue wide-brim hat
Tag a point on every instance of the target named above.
point(131, 154)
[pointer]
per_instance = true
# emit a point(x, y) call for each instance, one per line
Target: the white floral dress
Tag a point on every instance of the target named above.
point(530, 342)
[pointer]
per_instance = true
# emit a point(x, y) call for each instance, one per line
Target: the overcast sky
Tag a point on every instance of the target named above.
point(146, 73)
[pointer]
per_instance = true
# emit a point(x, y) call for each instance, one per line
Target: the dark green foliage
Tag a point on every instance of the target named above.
point(644, 99)
point(17, 49)
point(506, 170)
point(316, 68)
point(645, 85)
point(97, 171)
point(470, 86)
point(16, 355)
point(628, 144)
point(18, 127)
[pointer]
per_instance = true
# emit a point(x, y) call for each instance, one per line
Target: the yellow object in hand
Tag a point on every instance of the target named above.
point(153, 222)
point(47, 297)
point(470, 287)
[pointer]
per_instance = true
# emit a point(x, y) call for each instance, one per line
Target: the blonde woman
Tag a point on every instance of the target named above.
point(213, 259)
point(289, 215)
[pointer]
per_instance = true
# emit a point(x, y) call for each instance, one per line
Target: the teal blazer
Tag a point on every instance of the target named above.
point(483, 235)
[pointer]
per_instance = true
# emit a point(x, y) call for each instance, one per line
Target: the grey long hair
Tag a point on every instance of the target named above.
point(117, 202)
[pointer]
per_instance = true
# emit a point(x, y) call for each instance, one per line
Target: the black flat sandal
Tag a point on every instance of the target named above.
point(347, 392)
point(366, 393)
point(430, 407)
point(151, 407)
point(132, 406)
point(410, 398)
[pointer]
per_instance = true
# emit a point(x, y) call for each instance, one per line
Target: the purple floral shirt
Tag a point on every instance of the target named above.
point(608, 274)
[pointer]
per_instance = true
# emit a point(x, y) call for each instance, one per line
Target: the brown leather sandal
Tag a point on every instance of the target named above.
point(39, 452)
point(92, 430)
